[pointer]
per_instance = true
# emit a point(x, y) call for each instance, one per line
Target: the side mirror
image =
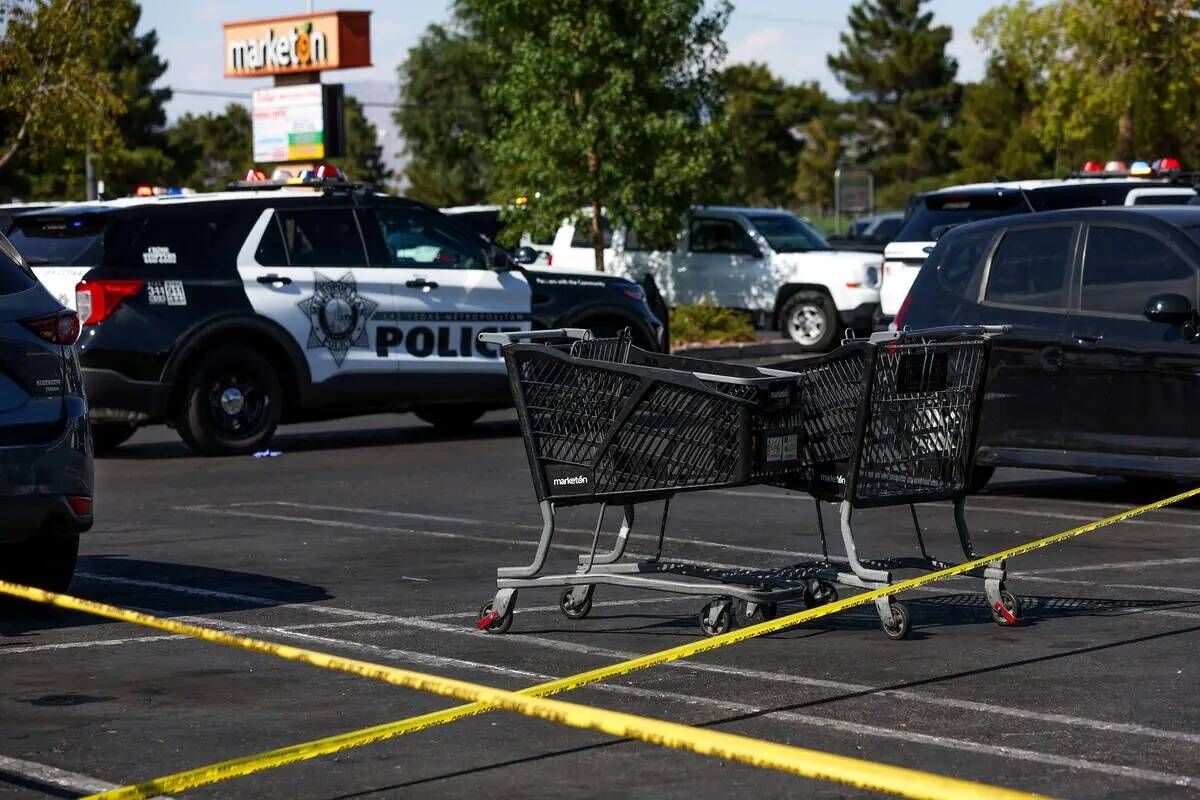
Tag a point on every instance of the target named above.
point(525, 255)
point(1172, 309)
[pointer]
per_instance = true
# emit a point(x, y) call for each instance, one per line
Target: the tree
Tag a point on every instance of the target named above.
point(608, 106)
point(893, 62)
point(210, 150)
point(364, 155)
point(55, 91)
point(765, 116)
point(443, 116)
point(1106, 78)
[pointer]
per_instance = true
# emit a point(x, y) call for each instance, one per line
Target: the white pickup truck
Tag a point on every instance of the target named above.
point(770, 263)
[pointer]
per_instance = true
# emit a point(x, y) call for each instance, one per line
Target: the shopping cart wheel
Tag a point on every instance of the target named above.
point(826, 593)
point(501, 624)
point(900, 624)
point(762, 613)
point(718, 621)
point(1011, 604)
point(575, 609)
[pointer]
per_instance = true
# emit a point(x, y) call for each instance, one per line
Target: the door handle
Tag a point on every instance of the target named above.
point(1087, 337)
point(282, 280)
point(420, 283)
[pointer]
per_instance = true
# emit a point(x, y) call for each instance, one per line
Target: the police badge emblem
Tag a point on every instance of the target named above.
point(337, 315)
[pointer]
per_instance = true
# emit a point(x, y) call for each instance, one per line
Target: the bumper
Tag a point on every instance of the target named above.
point(37, 480)
point(860, 318)
point(116, 398)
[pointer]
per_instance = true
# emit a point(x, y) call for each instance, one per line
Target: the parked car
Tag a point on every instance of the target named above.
point(1101, 371)
point(226, 313)
point(770, 263)
point(485, 220)
point(870, 233)
point(45, 448)
point(933, 212)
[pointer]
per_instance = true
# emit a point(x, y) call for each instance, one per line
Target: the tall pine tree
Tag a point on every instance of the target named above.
point(893, 63)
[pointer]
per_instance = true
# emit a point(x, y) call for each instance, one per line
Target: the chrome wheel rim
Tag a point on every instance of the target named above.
point(806, 324)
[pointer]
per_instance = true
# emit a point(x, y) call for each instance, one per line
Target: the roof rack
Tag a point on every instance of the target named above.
point(326, 185)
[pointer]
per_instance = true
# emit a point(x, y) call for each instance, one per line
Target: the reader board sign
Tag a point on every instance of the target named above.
point(296, 123)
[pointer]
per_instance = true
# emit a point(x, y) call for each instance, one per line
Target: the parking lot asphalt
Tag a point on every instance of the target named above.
point(377, 538)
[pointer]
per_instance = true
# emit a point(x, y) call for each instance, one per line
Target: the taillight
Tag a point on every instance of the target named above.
point(97, 300)
point(60, 328)
point(80, 504)
point(903, 312)
point(550, 259)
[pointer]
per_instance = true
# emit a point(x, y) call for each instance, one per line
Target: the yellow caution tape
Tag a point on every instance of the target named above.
point(716, 744)
point(254, 763)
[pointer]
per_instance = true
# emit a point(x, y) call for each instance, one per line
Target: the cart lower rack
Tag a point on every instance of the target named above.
point(889, 420)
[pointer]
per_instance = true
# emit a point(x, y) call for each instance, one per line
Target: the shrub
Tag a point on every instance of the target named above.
point(707, 324)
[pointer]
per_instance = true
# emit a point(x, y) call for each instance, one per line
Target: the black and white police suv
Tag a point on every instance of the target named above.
point(227, 313)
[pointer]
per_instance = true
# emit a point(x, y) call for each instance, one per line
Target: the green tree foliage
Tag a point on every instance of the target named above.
point(210, 150)
point(443, 116)
point(893, 62)
point(1104, 78)
point(364, 155)
point(608, 106)
point(766, 115)
point(56, 88)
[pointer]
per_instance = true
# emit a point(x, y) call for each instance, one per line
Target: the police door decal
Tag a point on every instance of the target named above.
point(337, 315)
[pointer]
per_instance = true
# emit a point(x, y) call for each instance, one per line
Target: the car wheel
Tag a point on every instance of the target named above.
point(810, 320)
point(110, 436)
point(451, 417)
point(231, 403)
point(979, 478)
point(47, 562)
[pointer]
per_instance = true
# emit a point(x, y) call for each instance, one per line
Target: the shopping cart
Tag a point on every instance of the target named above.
point(884, 421)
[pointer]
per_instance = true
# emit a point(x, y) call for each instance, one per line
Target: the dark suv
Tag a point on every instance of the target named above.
point(1101, 372)
point(225, 314)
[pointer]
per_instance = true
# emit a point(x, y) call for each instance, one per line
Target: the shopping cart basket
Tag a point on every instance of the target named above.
point(605, 422)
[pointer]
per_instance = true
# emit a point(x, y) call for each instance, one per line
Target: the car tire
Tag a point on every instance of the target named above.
point(979, 478)
point(231, 403)
point(810, 320)
point(47, 562)
point(110, 436)
point(451, 418)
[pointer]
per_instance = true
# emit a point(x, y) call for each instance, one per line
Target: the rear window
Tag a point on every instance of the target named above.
point(956, 208)
point(60, 241)
point(14, 276)
point(583, 233)
point(961, 267)
point(320, 238)
point(188, 242)
point(1054, 198)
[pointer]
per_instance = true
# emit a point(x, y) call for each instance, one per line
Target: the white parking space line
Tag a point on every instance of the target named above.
point(523, 526)
point(53, 776)
point(998, 509)
point(792, 717)
point(433, 623)
point(1113, 565)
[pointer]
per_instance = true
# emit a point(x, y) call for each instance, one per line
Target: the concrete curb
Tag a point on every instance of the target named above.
point(760, 349)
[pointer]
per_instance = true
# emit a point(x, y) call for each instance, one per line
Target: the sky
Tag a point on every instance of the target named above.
point(792, 37)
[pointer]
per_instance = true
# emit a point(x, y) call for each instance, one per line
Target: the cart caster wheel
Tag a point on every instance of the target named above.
point(762, 613)
point(1011, 604)
point(500, 624)
point(573, 609)
point(724, 621)
point(900, 623)
point(826, 593)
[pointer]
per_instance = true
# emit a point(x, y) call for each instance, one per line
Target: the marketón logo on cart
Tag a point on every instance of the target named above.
point(299, 47)
point(569, 480)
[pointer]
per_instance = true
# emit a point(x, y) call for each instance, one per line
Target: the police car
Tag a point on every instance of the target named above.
point(224, 314)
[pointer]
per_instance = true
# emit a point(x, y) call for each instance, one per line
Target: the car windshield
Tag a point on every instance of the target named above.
point(788, 234)
point(956, 208)
point(59, 241)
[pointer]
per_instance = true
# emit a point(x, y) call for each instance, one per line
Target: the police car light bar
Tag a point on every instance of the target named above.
point(324, 184)
point(1161, 168)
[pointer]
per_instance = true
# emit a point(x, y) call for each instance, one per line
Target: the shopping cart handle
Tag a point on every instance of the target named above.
point(509, 337)
point(987, 331)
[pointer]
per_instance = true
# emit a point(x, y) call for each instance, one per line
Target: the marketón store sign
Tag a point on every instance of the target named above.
point(308, 43)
